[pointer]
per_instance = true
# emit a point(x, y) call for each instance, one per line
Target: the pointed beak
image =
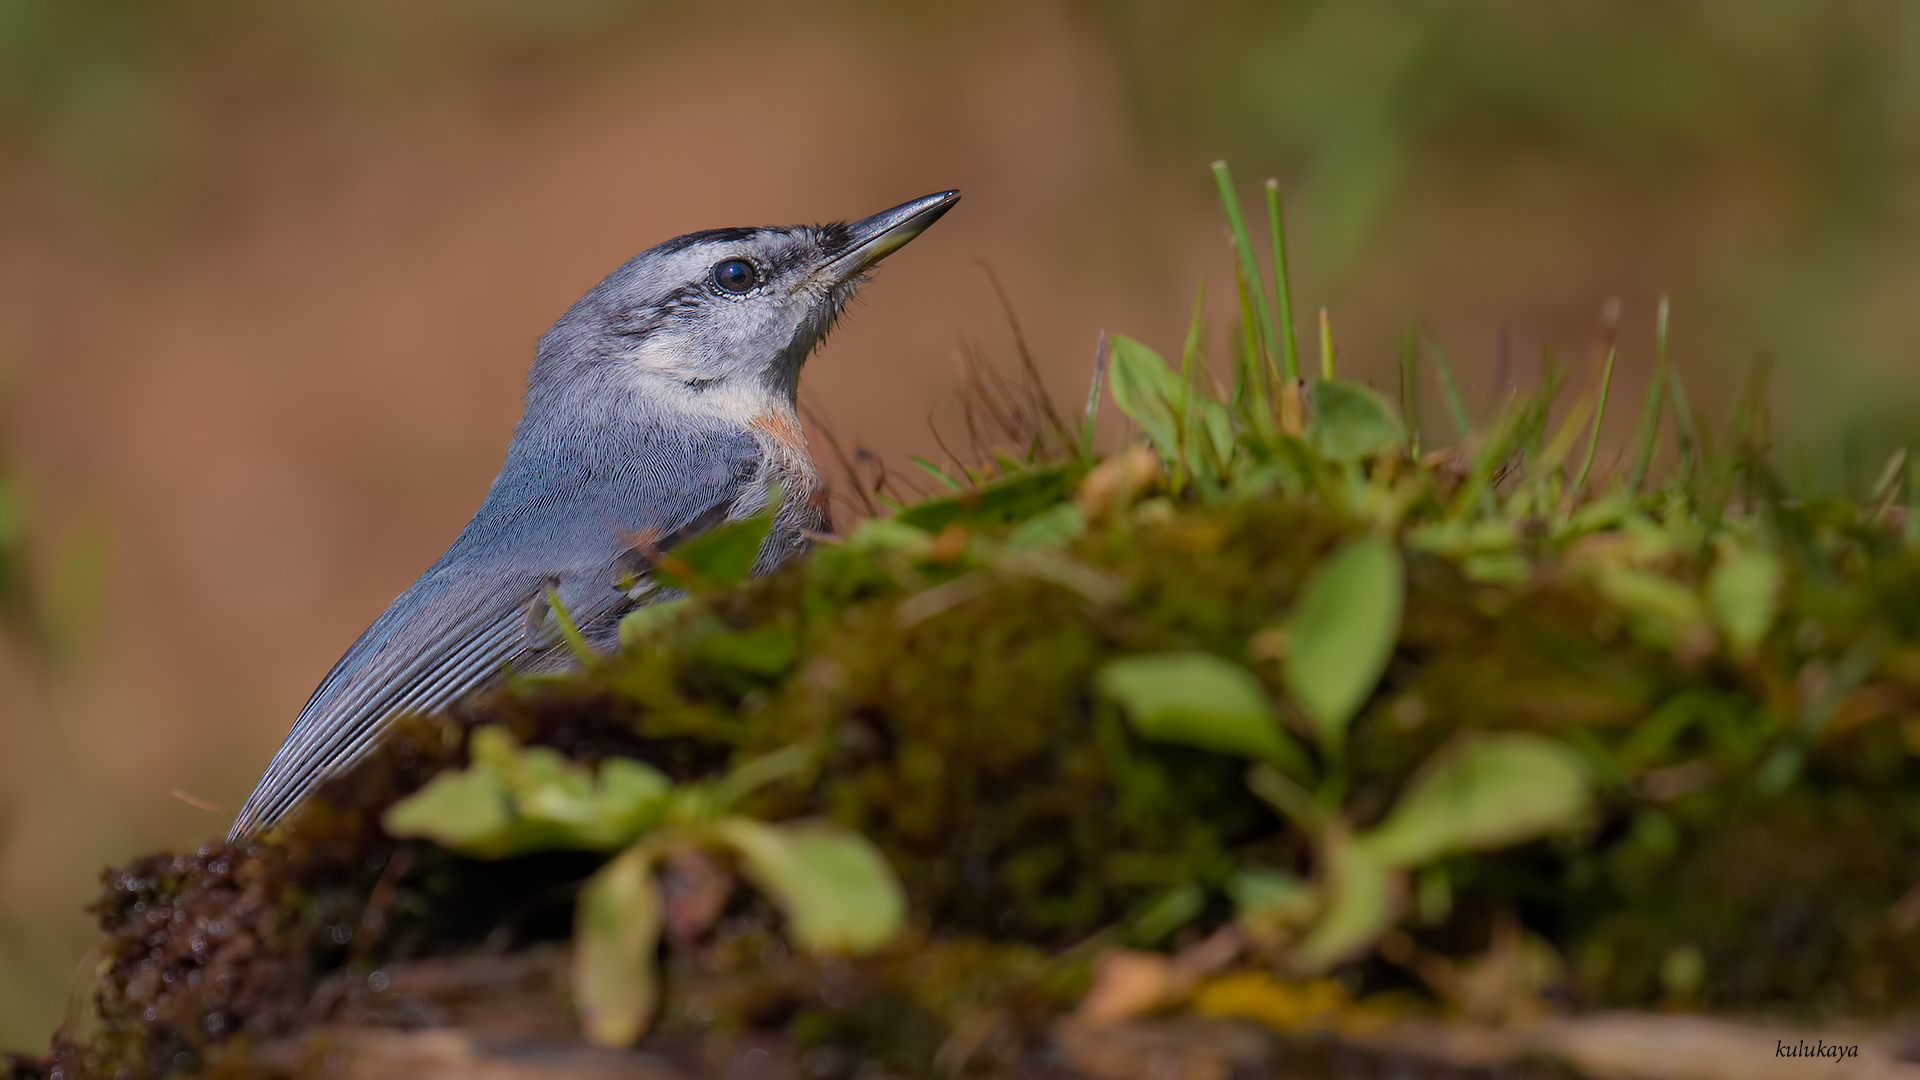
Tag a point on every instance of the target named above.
point(871, 239)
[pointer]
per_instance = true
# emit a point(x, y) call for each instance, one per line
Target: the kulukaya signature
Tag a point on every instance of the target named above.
point(1818, 1048)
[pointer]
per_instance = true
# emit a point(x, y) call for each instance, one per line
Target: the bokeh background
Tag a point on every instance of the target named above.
point(271, 274)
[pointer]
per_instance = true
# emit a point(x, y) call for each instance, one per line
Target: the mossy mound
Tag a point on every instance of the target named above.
point(947, 677)
point(1271, 720)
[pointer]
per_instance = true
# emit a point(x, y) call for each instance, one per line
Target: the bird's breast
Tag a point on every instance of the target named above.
point(788, 463)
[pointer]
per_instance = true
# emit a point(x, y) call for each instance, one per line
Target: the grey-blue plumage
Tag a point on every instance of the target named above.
point(661, 404)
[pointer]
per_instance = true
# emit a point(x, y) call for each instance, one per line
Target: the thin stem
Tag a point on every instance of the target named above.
point(1599, 414)
point(1650, 412)
point(1456, 408)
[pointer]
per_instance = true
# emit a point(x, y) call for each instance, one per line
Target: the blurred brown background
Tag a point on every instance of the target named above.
point(270, 276)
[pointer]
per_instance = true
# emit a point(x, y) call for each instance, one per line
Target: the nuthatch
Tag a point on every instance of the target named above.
point(661, 404)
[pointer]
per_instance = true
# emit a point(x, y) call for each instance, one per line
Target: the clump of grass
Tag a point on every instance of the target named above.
point(1279, 673)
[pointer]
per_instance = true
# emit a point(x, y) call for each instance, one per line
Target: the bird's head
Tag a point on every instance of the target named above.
point(723, 319)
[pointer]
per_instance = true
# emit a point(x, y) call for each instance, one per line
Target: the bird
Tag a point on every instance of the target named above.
point(662, 404)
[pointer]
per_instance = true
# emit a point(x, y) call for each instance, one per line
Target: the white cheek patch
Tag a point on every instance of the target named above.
point(660, 356)
point(686, 384)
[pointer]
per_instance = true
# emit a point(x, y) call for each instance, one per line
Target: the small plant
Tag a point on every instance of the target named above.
point(835, 890)
point(833, 887)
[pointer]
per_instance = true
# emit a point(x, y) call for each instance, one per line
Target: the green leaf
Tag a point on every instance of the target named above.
point(514, 800)
point(1660, 610)
point(1198, 699)
point(643, 623)
point(1744, 593)
point(460, 809)
point(1358, 890)
point(616, 930)
point(1258, 887)
point(1210, 439)
point(755, 773)
point(1351, 422)
point(1164, 914)
point(493, 748)
point(1146, 389)
point(766, 650)
point(628, 787)
point(1270, 901)
point(935, 471)
point(1015, 498)
point(1341, 633)
point(890, 534)
point(1049, 528)
point(834, 887)
point(723, 555)
point(1484, 794)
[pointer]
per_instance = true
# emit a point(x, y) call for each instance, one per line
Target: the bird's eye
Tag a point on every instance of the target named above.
point(735, 275)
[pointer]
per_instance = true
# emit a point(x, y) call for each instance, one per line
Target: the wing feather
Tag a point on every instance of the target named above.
point(467, 619)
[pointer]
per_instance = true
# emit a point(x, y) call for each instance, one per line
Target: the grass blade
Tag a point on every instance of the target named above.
point(576, 642)
point(1253, 283)
point(1326, 347)
point(1691, 446)
point(1093, 396)
point(1561, 442)
point(1252, 382)
point(1282, 287)
point(1650, 412)
point(1599, 414)
point(1410, 388)
point(1190, 351)
point(935, 471)
point(1456, 408)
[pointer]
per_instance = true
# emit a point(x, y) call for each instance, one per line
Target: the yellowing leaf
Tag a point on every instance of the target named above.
point(1484, 794)
point(616, 930)
point(1258, 996)
point(1342, 632)
point(1744, 592)
point(1198, 699)
point(834, 887)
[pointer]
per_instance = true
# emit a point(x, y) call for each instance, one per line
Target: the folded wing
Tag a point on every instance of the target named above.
point(481, 610)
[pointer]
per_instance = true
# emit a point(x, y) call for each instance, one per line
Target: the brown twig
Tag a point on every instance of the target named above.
point(820, 424)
